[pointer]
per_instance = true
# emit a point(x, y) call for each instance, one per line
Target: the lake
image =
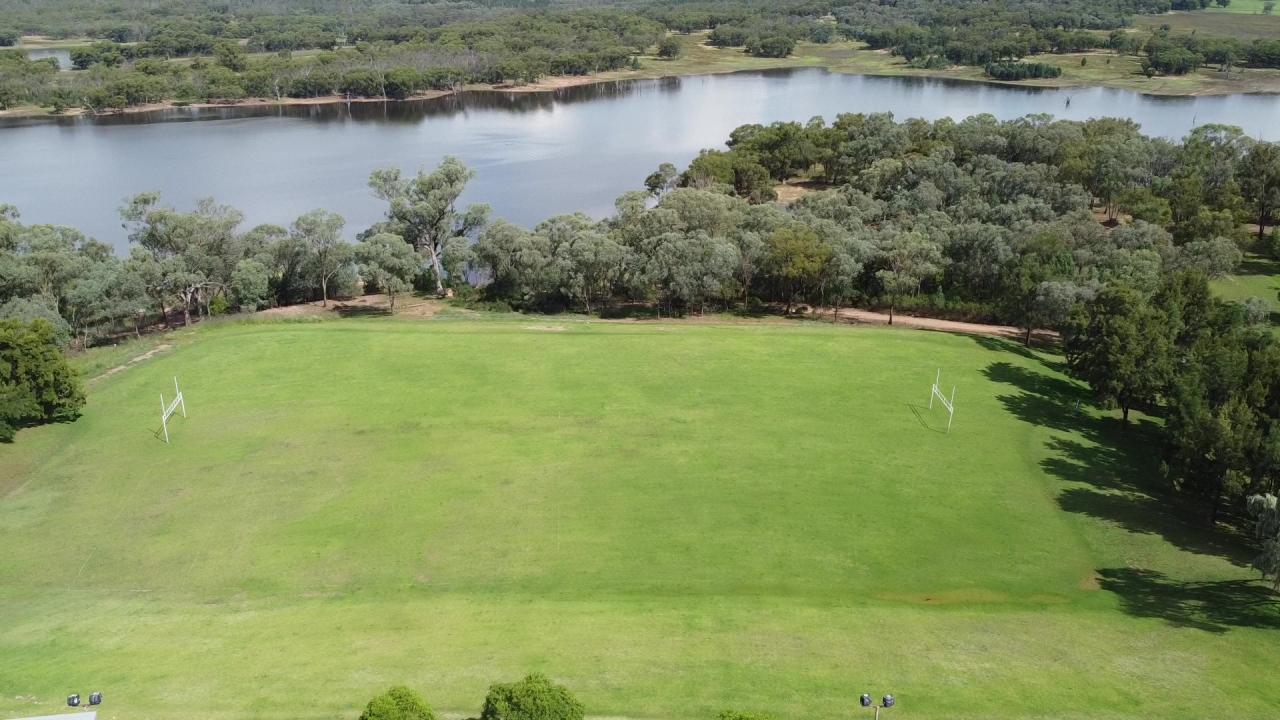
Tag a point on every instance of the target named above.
point(61, 55)
point(535, 154)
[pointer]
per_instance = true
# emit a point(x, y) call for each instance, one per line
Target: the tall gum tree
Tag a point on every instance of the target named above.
point(423, 209)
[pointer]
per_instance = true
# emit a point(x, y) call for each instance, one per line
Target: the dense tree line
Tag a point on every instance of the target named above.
point(511, 47)
point(1209, 368)
point(396, 48)
point(1180, 54)
point(978, 219)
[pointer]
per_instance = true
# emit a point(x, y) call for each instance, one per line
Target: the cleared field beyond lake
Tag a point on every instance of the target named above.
point(670, 518)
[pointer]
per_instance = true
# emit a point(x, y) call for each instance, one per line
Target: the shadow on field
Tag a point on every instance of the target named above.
point(1112, 474)
point(1114, 468)
point(922, 415)
point(1213, 606)
point(1005, 345)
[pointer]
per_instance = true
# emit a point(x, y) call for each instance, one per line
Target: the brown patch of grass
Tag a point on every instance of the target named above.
point(792, 190)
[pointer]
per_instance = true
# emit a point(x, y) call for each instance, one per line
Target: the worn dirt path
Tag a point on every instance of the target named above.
point(132, 361)
point(921, 323)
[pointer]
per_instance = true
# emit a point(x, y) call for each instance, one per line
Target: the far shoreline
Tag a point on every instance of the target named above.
point(558, 82)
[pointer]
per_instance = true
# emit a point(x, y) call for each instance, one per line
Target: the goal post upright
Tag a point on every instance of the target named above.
point(164, 419)
point(167, 410)
point(948, 403)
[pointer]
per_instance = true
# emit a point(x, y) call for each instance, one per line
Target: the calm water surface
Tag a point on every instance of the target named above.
point(62, 55)
point(535, 154)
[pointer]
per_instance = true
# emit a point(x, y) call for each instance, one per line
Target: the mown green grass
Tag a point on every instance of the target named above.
point(1257, 277)
point(671, 518)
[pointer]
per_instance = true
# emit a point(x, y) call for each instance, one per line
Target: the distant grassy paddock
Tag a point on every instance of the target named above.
point(671, 518)
point(1104, 69)
point(1257, 277)
point(1238, 25)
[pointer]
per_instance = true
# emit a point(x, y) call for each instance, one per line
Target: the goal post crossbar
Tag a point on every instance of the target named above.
point(948, 403)
point(167, 410)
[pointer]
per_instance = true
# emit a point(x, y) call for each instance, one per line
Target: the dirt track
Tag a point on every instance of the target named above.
point(920, 323)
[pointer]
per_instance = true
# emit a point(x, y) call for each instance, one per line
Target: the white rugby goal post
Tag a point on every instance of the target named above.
point(167, 411)
point(948, 403)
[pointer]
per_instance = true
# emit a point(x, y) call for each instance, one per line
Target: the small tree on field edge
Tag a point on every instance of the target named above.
point(398, 703)
point(533, 698)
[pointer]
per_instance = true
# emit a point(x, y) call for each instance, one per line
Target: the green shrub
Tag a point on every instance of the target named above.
point(670, 47)
point(1022, 71)
point(219, 305)
point(36, 383)
point(533, 698)
point(777, 46)
point(398, 703)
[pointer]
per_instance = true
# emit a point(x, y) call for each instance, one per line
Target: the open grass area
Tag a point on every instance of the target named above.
point(1234, 24)
point(1237, 7)
point(1100, 68)
point(671, 518)
point(1258, 276)
point(28, 42)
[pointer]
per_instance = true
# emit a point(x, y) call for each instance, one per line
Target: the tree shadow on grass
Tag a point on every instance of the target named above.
point(1142, 514)
point(1044, 400)
point(1112, 474)
point(922, 416)
point(1213, 606)
point(998, 344)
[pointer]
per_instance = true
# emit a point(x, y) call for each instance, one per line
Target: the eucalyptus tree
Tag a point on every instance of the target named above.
point(1041, 263)
point(327, 253)
point(690, 269)
point(423, 209)
point(519, 263)
point(389, 262)
point(588, 262)
point(250, 284)
point(909, 258)
point(797, 258)
point(1260, 183)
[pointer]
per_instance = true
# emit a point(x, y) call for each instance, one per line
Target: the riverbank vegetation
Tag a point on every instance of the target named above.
point(207, 53)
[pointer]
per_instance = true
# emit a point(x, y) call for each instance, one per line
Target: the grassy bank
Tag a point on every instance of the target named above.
point(1244, 27)
point(671, 518)
point(1103, 69)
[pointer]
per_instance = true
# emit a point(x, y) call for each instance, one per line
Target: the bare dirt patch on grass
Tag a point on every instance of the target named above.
point(923, 323)
point(377, 304)
point(163, 347)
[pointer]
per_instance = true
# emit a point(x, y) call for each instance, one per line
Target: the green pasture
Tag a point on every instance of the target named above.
point(1240, 20)
point(1258, 276)
point(670, 518)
